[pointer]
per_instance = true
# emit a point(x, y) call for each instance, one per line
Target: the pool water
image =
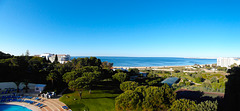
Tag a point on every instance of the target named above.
point(7, 107)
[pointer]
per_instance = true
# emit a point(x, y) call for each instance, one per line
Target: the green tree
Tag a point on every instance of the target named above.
point(17, 84)
point(221, 68)
point(51, 77)
point(214, 79)
point(183, 105)
point(133, 71)
point(120, 76)
point(208, 106)
point(79, 85)
point(128, 85)
point(106, 65)
point(69, 76)
point(141, 90)
point(26, 82)
point(129, 100)
point(56, 59)
point(4, 55)
point(158, 98)
point(27, 53)
point(91, 77)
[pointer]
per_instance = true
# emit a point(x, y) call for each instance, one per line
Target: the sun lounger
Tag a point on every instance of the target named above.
point(41, 105)
point(37, 104)
point(64, 107)
point(37, 98)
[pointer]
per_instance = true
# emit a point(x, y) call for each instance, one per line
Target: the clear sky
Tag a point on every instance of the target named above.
point(164, 28)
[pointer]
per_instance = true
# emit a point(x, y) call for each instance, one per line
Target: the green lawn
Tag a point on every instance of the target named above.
point(98, 100)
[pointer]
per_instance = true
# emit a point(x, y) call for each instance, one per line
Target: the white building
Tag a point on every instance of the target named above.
point(227, 61)
point(62, 58)
point(46, 55)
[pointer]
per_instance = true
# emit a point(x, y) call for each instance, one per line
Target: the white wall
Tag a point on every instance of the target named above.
point(4, 85)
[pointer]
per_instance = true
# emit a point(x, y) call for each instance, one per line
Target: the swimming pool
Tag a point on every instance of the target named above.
point(8, 107)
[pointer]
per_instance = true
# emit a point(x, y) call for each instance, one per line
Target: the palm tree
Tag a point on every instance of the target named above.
point(17, 84)
point(26, 85)
point(51, 77)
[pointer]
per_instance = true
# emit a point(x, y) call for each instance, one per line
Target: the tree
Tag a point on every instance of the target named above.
point(141, 90)
point(177, 71)
point(208, 106)
point(120, 76)
point(79, 84)
point(133, 71)
point(158, 98)
point(51, 77)
point(91, 77)
point(214, 79)
point(232, 92)
point(129, 100)
point(27, 53)
point(26, 82)
point(56, 59)
point(17, 84)
point(4, 56)
point(69, 76)
point(183, 105)
point(221, 68)
point(128, 85)
point(106, 65)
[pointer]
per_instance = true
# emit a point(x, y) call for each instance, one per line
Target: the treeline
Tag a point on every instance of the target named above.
point(156, 98)
point(57, 76)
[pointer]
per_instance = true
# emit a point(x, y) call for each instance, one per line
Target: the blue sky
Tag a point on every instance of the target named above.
point(159, 28)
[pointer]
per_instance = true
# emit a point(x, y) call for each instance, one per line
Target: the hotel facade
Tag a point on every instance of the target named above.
point(62, 58)
point(227, 61)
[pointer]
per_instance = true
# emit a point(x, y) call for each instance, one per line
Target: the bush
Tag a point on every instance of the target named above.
point(198, 79)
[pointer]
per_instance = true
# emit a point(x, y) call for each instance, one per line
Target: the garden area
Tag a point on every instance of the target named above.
point(98, 100)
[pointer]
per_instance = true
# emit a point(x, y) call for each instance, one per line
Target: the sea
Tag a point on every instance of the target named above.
point(152, 61)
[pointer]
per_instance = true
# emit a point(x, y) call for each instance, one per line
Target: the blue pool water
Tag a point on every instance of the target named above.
point(153, 61)
point(7, 107)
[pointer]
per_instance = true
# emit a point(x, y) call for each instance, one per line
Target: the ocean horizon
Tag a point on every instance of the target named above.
point(152, 61)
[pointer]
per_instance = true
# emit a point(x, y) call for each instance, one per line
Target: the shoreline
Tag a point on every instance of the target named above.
point(155, 67)
point(29, 106)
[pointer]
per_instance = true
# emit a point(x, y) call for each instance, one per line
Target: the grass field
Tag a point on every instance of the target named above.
point(98, 100)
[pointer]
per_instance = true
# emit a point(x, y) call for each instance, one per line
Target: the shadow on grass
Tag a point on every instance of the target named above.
point(197, 96)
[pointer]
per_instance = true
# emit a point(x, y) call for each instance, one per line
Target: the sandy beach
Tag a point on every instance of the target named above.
point(157, 67)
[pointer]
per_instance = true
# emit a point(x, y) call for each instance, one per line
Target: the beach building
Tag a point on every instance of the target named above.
point(62, 58)
point(227, 61)
point(123, 69)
